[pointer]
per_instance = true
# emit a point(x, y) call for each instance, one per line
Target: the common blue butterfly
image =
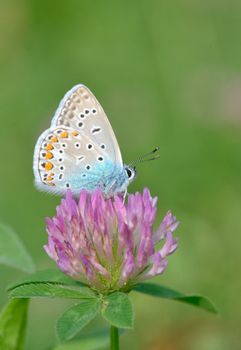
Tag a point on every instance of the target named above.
point(80, 150)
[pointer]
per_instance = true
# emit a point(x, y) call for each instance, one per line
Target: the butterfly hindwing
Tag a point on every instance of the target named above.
point(64, 158)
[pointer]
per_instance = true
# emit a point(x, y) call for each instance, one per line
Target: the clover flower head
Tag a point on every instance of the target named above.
point(108, 244)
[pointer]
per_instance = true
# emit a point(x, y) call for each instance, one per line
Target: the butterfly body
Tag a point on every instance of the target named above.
point(111, 179)
point(80, 150)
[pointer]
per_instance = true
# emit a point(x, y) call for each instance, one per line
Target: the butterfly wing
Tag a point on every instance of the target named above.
point(64, 158)
point(80, 110)
point(80, 148)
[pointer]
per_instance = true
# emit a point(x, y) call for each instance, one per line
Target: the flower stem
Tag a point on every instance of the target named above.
point(114, 338)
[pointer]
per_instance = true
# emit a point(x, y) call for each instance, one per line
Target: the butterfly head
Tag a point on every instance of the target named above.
point(130, 172)
point(122, 178)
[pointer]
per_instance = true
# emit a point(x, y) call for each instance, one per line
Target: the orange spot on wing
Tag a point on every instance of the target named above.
point(48, 166)
point(54, 139)
point(49, 178)
point(75, 133)
point(64, 134)
point(49, 147)
point(49, 155)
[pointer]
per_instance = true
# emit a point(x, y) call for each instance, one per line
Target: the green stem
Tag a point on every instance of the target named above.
point(114, 338)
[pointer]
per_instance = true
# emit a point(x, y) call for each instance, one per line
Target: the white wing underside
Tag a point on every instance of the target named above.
point(79, 137)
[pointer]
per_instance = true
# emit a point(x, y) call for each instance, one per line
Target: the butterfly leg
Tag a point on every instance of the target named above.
point(124, 196)
point(110, 188)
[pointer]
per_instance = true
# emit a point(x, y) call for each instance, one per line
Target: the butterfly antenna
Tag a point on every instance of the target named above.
point(144, 158)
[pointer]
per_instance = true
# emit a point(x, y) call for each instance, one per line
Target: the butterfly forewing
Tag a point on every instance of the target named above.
point(81, 111)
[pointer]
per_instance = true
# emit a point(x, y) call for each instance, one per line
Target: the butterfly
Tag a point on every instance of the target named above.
point(80, 150)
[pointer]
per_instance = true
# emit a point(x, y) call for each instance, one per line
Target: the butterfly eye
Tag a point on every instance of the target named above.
point(130, 173)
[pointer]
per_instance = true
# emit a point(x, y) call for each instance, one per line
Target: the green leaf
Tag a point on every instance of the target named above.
point(12, 251)
point(50, 290)
point(49, 275)
point(75, 318)
point(117, 310)
point(157, 290)
point(13, 320)
point(91, 341)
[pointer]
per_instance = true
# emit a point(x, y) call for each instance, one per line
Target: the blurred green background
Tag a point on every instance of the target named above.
point(167, 73)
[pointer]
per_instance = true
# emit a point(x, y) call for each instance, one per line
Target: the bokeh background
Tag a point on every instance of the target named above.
point(167, 73)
